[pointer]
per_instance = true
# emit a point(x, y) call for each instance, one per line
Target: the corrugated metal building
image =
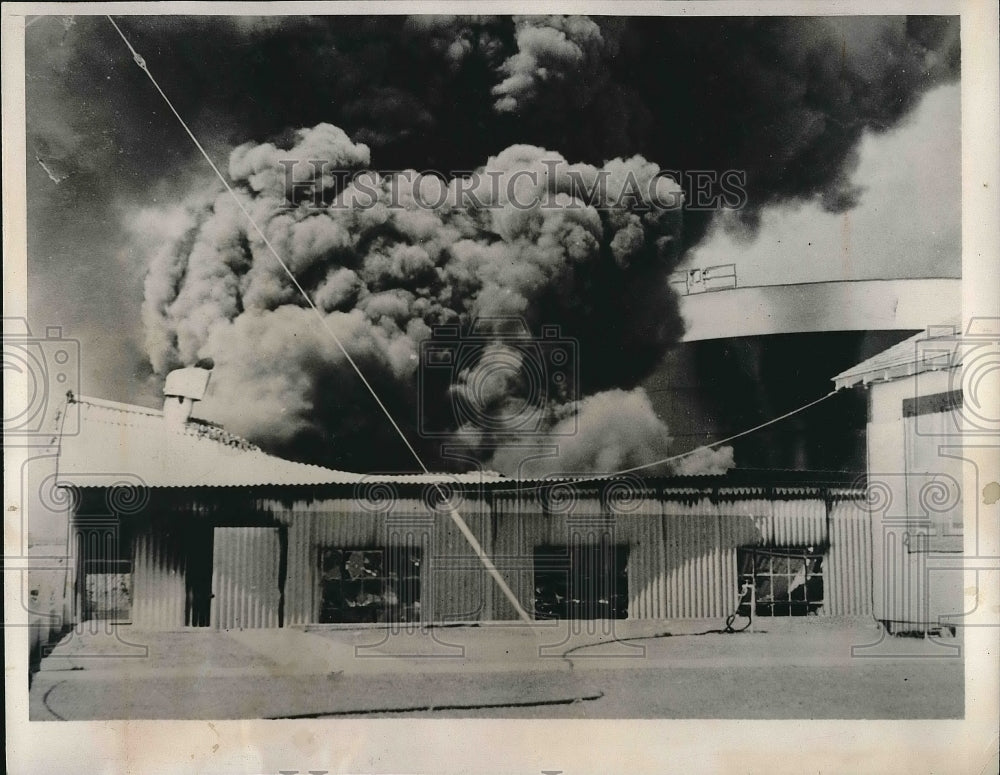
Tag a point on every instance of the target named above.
point(915, 433)
point(268, 555)
point(178, 523)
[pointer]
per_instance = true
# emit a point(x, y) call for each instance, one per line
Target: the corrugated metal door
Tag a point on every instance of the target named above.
point(245, 586)
point(159, 580)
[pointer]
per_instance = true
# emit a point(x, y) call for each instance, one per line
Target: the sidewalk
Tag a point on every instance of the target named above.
point(204, 673)
point(318, 650)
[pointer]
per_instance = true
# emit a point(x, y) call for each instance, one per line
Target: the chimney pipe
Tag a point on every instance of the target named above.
point(180, 390)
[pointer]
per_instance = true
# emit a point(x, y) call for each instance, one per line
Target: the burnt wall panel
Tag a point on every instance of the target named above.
point(453, 583)
point(159, 577)
point(682, 551)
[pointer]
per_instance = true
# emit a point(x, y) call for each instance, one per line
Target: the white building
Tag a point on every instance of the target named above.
point(915, 474)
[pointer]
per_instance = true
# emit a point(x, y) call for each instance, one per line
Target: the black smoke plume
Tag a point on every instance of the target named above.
point(784, 100)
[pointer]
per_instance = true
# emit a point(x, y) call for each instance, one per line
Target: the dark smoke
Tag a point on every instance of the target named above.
point(784, 99)
point(385, 272)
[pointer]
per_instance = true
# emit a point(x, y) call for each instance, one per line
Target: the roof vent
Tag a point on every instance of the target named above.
point(182, 388)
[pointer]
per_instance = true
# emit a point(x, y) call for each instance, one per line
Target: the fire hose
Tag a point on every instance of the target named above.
point(746, 595)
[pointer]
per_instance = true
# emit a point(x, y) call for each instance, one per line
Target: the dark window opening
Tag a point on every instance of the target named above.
point(108, 590)
point(105, 573)
point(198, 579)
point(787, 581)
point(937, 402)
point(369, 585)
point(581, 582)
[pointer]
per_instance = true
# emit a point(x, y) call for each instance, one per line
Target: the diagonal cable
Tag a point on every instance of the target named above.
point(455, 516)
point(735, 436)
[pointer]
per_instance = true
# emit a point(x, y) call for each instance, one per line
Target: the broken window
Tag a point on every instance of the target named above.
point(581, 582)
point(787, 581)
point(369, 585)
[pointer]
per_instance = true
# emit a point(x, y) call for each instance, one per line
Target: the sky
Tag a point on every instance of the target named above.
point(910, 181)
point(847, 131)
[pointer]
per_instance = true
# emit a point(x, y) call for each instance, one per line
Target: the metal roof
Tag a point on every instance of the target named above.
point(119, 443)
point(740, 481)
point(931, 350)
point(127, 444)
point(123, 444)
point(470, 477)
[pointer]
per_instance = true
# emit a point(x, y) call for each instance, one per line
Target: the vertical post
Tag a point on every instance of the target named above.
point(282, 571)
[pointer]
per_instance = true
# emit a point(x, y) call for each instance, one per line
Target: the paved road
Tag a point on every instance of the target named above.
point(885, 690)
point(882, 691)
point(808, 671)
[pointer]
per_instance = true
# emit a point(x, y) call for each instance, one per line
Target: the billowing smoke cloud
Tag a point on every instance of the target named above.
point(704, 460)
point(783, 100)
point(458, 37)
point(555, 55)
point(615, 430)
point(526, 241)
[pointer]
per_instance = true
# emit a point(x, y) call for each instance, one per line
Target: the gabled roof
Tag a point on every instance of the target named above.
point(121, 442)
point(931, 350)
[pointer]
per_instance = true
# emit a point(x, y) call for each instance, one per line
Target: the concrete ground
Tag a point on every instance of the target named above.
point(791, 668)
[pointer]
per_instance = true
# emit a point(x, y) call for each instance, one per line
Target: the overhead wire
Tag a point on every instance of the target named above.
point(679, 456)
point(453, 513)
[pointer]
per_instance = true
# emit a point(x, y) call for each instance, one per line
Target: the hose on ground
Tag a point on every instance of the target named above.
point(745, 592)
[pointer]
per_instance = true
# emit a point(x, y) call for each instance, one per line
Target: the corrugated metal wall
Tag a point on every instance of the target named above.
point(848, 572)
point(697, 577)
point(158, 579)
point(336, 522)
point(914, 588)
point(343, 523)
point(453, 587)
point(245, 583)
point(462, 590)
point(682, 551)
point(514, 536)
